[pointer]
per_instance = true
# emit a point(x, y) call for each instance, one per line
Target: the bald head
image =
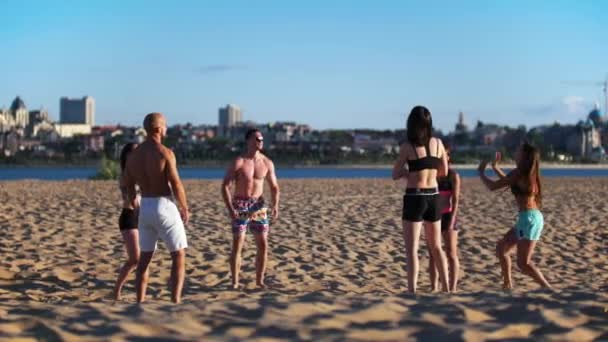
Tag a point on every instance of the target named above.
point(153, 123)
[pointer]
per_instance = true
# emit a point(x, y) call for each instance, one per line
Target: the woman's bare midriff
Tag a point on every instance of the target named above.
point(526, 203)
point(424, 179)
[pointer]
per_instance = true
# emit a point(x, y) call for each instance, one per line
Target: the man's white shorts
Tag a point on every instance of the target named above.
point(159, 218)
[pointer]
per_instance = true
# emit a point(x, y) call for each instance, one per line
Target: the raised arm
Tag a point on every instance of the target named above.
point(499, 172)
point(398, 170)
point(492, 185)
point(228, 179)
point(177, 186)
point(275, 192)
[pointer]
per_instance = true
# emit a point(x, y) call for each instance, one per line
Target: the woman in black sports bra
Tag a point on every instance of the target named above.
point(426, 160)
point(127, 223)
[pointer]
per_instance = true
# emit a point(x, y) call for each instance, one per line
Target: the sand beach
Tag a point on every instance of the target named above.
point(336, 268)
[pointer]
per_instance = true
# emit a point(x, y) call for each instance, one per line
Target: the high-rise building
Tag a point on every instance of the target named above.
point(19, 112)
point(229, 116)
point(77, 111)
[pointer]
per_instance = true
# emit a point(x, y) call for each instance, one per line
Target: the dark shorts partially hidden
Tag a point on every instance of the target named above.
point(421, 205)
point(128, 219)
point(253, 214)
point(445, 222)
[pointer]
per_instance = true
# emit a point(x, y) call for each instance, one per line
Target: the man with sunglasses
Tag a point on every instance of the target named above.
point(247, 208)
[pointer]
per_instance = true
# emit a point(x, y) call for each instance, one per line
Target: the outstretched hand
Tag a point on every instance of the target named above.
point(497, 159)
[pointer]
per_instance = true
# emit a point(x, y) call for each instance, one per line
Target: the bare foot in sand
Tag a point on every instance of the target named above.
point(115, 296)
point(235, 286)
point(261, 285)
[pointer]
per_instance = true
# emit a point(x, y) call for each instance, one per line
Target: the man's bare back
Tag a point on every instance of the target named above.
point(153, 167)
point(149, 169)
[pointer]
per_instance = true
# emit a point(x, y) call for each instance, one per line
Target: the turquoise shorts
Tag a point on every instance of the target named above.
point(529, 225)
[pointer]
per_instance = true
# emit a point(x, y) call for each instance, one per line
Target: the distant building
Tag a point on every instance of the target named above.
point(93, 143)
point(364, 142)
point(7, 122)
point(70, 130)
point(10, 142)
point(19, 112)
point(39, 129)
point(77, 111)
point(38, 115)
point(596, 116)
point(229, 116)
point(289, 131)
point(461, 127)
point(487, 134)
point(38, 120)
point(585, 141)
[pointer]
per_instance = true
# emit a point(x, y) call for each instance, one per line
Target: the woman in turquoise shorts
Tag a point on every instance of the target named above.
point(525, 185)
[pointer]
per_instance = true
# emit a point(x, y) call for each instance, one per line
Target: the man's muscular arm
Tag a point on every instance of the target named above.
point(228, 179)
point(177, 186)
point(271, 177)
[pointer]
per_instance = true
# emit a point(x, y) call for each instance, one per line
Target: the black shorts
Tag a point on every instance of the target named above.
point(445, 222)
point(128, 219)
point(421, 205)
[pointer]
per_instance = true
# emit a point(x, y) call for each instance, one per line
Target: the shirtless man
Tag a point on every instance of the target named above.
point(247, 208)
point(152, 166)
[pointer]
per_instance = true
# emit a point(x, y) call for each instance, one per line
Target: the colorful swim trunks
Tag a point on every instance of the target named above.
point(253, 213)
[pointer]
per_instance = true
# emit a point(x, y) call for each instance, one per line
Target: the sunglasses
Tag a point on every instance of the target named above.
point(260, 139)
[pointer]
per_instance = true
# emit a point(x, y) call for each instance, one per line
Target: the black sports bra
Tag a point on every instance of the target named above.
point(425, 163)
point(519, 191)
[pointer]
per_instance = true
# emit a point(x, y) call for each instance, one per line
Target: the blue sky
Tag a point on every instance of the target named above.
point(332, 64)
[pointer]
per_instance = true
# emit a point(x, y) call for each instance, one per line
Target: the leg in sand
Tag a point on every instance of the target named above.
point(142, 275)
point(450, 237)
point(525, 249)
point(178, 273)
point(238, 240)
point(411, 234)
point(433, 275)
point(504, 249)
point(432, 231)
point(131, 240)
point(261, 242)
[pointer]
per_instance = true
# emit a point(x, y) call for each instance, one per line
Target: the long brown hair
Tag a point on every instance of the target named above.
point(124, 153)
point(419, 126)
point(529, 168)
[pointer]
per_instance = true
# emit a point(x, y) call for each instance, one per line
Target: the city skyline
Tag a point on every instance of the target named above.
point(344, 65)
point(225, 117)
